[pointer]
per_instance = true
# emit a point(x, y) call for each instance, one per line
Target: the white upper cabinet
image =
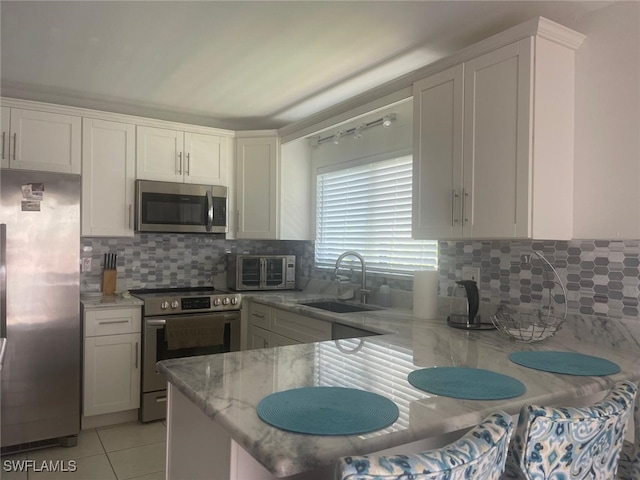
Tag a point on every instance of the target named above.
point(38, 140)
point(108, 178)
point(437, 177)
point(177, 156)
point(493, 142)
point(5, 120)
point(257, 187)
point(495, 192)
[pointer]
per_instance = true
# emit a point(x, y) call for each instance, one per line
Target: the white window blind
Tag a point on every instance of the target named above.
point(367, 208)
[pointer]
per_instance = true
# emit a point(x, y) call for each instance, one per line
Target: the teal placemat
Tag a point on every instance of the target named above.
point(328, 411)
point(466, 383)
point(569, 363)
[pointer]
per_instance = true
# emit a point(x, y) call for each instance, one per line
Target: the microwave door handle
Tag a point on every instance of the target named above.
point(209, 211)
point(263, 272)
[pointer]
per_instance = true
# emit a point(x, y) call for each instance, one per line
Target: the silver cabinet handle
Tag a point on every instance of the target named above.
point(3, 135)
point(188, 163)
point(161, 322)
point(454, 196)
point(15, 144)
point(130, 215)
point(136, 355)
point(180, 163)
point(465, 195)
point(161, 399)
point(257, 315)
point(111, 322)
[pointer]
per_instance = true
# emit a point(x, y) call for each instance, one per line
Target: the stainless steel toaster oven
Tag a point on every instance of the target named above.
point(261, 272)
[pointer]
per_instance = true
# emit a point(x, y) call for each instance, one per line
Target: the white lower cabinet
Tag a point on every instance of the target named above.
point(111, 380)
point(276, 327)
point(258, 337)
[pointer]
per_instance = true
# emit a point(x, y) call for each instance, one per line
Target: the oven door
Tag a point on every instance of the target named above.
point(155, 346)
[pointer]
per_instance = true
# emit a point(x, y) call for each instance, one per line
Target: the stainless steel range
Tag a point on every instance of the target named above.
point(182, 322)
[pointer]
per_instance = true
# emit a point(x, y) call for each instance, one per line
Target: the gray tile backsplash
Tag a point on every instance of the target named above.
point(601, 277)
point(171, 260)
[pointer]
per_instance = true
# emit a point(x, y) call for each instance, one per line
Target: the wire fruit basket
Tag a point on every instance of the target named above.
point(531, 325)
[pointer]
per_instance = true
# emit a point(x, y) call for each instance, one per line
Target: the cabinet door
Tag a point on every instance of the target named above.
point(5, 117)
point(159, 154)
point(111, 374)
point(437, 163)
point(281, 341)
point(206, 159)
point(299, 328)
point(44, 141)
point(108, 178)
point(257, 187)
point(258, 338)
point(497, 105)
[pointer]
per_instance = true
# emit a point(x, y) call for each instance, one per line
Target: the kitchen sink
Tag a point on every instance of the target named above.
point(341, 307)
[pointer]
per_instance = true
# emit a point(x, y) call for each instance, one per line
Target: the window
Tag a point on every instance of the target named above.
point(367, 208)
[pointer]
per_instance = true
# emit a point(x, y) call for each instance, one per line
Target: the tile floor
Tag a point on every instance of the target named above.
point(118, 452)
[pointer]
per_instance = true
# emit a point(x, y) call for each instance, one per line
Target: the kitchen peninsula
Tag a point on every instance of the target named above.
point(214, 432)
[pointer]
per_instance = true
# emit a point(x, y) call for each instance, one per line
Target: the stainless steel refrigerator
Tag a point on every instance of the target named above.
point(40, 301)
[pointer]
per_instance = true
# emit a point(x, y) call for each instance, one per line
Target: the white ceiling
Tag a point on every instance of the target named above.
point(237, 64)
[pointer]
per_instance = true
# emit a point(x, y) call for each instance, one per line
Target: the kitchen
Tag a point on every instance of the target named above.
point(605, 126)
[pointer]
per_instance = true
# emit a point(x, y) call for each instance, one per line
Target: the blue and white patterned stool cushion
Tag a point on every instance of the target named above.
point(571, 443)
point(479, 455)
point(629, 465)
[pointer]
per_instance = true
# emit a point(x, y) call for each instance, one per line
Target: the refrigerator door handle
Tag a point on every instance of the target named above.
point(3, 280)
point(3, 351)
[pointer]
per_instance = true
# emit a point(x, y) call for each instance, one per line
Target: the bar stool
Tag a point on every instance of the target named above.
point(629, 465)
point(571, 443)
point(479, 455)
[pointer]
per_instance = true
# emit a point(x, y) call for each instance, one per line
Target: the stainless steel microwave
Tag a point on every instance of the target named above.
point(261, 272)
point(180, 207)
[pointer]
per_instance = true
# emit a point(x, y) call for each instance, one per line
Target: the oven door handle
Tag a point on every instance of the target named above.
point(156, 322)
point(161, 322)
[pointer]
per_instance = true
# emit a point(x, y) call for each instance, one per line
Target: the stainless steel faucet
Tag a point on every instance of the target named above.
point(363, 290)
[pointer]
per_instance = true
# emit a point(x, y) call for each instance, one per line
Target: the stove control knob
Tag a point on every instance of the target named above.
point(216, 302)
point(175, 304)
point(225, 301)
point(164, 305)
point(234, 300)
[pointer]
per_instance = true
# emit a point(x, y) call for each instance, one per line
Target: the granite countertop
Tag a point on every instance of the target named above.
point(109, 301)
point(228, 387)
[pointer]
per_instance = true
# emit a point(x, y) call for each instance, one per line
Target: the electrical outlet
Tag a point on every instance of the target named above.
point(471, 273)
point(86, 264)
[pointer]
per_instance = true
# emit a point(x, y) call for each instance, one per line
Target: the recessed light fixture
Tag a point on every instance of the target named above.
point(387, 119)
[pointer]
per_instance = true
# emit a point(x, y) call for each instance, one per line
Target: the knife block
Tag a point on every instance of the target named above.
point(109, 278)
